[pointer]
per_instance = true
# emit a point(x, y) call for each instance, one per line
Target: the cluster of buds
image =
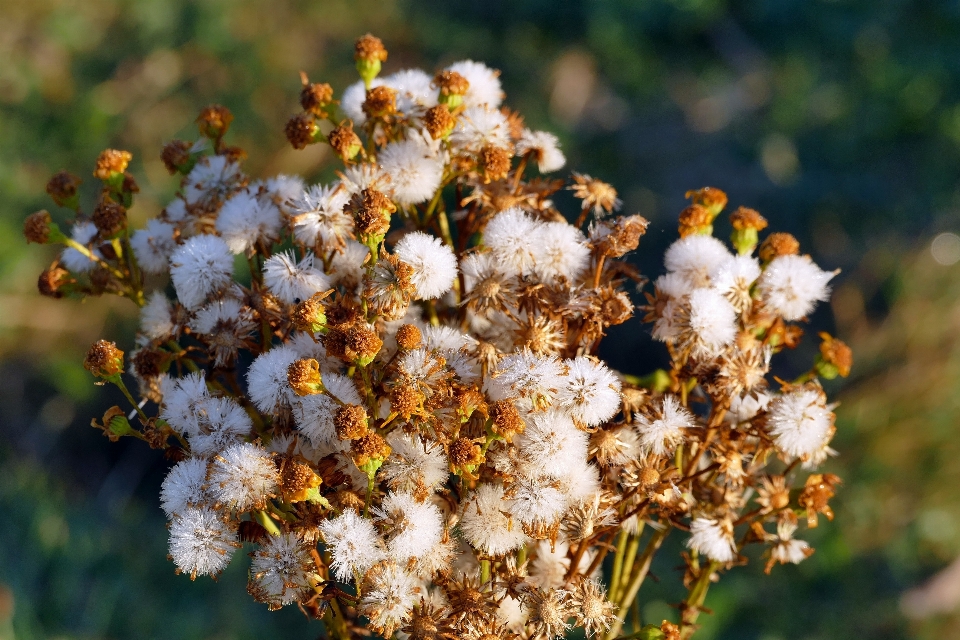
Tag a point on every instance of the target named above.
point(387, 386)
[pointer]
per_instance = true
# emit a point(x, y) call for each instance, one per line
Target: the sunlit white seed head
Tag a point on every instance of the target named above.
point(550, 563)
point(220, 423)
point(225, 325)
point(364, 175)
point(480, 126)
point(673, 285)
point(446, 339)
point(281, 190)
point(211, 180)
point(667, 326)
point(661, 433)
point(415, 464)
point(415, 91)
point(201, 541)
point(181, 400)
point(267, 383)
point(153, 246)
point(434, 265)
point(486, 525)
point(792, 285)
point(318, 219)
point(411, 528)
point(485, 88)
point(201, 266)
point(243, 476)
point(560, 251)
point(281, 570)
point(544, 147)
point(535, 501)
point(712, 538)
point(786, 549)
point(551, 444)
point(389, 595)
point(527, 375)
point(734, 278)
point(590, 392)
point(512, 236)
point(244, 220)
point(747, 406)
point(799, 422)
point(290, 281)
point(579, 482)
point(83, 233)
point(353, 544)
point(712, 320)
point(156, 317)
point(415, 171)
point(695, 257)
point(184, 487)
point(314, 414)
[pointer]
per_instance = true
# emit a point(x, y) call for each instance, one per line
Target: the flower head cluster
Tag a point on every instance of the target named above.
point(390, 381)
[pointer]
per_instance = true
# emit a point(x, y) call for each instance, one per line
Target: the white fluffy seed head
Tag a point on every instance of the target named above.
point(799, 422)
point(590, 392)
point(353, 544)
point(389, 595)
point(156, 317)
point(560, 251)
point(485, 524)
point(535, 501)
point(480, 126)
point(243, 476)
point(551, 444)
point(414, 464)
point(292, 281)
point(153, 246)
point(485, 88)
point(526, 375)
point(511, 236)
point(184, 487)
point(281, 570)
point(220, 423)
point(713, 321)
point(734, 278)
point(661, 433)
point(415, 171)
point(415, 91)
point(201, 266)
point(201, 541)
point(411, 528)
point(211, 180)
point(695, 257)
point(267, 383)
point(181, 400)
point(713, 539)
point(545, 149)
point(792, 285)
point(245, 219)
point(314, 414)
point(434, 264)
point(318, 218)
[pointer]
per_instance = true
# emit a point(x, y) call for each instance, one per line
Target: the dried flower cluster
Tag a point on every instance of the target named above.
point(387, 385)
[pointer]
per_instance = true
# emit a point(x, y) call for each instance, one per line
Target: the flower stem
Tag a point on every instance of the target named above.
point(693, 604)
point(641, 573)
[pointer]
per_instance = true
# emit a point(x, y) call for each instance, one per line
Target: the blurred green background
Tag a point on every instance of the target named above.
point(839, 120)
